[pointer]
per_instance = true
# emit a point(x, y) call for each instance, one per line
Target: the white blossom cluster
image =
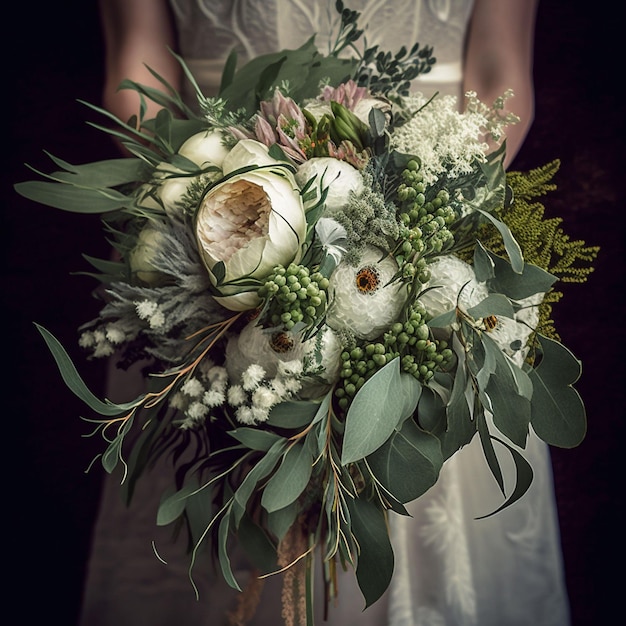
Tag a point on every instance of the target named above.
point(453, 283)
point(104, 340)
point(251, 398)
point(444, 138)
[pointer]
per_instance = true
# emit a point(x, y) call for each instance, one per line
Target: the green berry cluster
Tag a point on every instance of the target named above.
point(294, 295)
point(421, 355)
point(425, 213)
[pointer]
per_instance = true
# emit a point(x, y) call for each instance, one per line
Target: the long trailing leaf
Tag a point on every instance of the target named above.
point(99, 174)
point(461, 428)
point(290, 480)
point(222, 551)
point(75, 383)
point(557, 410)
point(255, 439)
point(73, 199)
point(488, 449)
point(375, 561)
point(523, 479)
point(263, 467)
point(510, 243)
point(257, 545)
point(173, 505)
point(509, 401)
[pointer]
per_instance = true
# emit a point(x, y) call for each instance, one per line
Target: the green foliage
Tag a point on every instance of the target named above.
point(542, 239)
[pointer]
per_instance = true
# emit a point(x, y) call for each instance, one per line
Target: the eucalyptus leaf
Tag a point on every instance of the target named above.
point(222, 552)
point(484, 267)
point(408, 463)
point(443, 320)
point(73, 199)
point(431, 411)
point(292, 414)
point(257, 545)
point(280, 521)
point(508, 403)
point(260, 470)
point(493, 304)
point(198, 510)
point(75, 383)
point(173, 505)
point(519, 284)
point(523, 479)
point(382, 403)
point(254, 438)
point(510, 243)
point(375, 561)
point(557, 410)
point(290, 480)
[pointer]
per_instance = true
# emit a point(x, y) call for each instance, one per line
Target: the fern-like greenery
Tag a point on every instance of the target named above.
point(542, 239)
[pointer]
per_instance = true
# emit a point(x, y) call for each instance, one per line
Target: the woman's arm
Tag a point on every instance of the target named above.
point(499, 56)
point(136, 33)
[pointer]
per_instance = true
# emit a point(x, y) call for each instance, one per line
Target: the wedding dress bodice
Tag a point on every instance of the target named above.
point(209, 29)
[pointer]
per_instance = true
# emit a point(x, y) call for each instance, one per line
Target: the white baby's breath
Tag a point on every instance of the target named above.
point(252, 376)
point(213, 397)
point(197, 411)
point(236, 395)
point(192, 387)
point(442, 137)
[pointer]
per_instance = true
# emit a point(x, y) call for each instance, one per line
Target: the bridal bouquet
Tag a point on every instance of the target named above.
point(333, 287)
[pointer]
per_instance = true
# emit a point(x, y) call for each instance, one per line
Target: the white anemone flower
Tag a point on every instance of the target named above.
point(341, 179)
point(512, 334)
point(362, 298)
point(255, 344)
point(452, 281)
point(251, 222)
point(322, 362)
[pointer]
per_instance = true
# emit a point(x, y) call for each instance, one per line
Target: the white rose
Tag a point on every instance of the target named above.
point(365, 105)
point(141, 257)
point(362, 298)
point(204, 149)
point(341, 178)
point(250, 222)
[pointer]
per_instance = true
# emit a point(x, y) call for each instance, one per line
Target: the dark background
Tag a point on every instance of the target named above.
point(54, 59)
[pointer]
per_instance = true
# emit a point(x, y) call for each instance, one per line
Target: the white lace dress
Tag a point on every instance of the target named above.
point(451, 569)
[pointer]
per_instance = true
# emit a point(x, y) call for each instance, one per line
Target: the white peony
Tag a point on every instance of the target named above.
point(341, 179)
point(251, 222)
point(361, 297)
